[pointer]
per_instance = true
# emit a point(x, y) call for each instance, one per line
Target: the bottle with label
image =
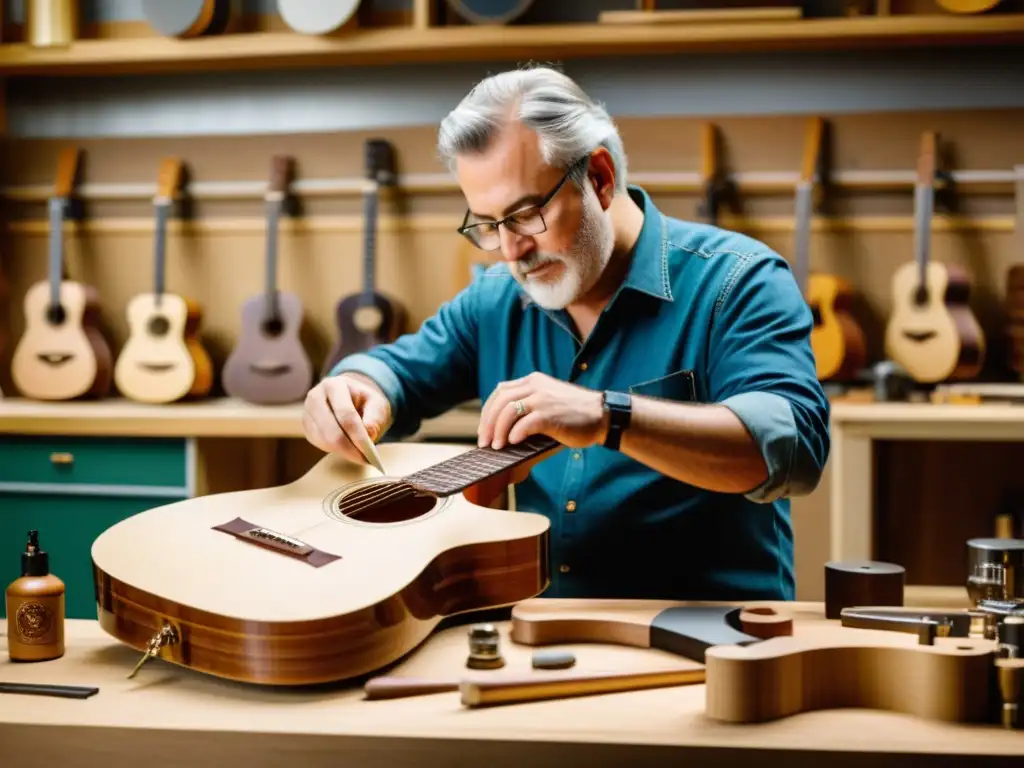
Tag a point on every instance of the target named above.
point(35, 608)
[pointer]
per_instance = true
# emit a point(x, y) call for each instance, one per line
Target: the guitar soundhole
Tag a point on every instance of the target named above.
point(273, 326)
point(380, 501)
point(921, 295)
point(55, 314)
point(159, 326)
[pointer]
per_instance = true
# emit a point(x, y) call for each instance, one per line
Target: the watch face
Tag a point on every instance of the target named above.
point(617, 400)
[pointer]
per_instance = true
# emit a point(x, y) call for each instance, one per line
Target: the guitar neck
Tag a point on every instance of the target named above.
point(160, 249)
point(56, 261)
point(804, 197)
point(273, 217)
point(924, 197)
point(370, 198)
point(460, 472)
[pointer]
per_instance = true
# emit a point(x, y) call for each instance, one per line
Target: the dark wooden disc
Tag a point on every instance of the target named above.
point(850, 583)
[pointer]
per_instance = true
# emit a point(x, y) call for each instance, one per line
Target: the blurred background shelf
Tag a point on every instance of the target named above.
point(408, 44)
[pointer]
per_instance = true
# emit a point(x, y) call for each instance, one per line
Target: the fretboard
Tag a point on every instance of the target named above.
point(370, 243)
point(56, 253)
point(274, 204)
point(460, 472)
point(804, 201)
point(160, 249)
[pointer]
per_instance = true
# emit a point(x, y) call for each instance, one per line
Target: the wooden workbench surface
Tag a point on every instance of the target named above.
point(203, 721)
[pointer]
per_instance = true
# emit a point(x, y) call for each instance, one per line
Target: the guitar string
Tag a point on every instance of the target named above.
point(365, 498)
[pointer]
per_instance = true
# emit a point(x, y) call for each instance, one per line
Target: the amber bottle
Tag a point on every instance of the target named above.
point(35, 608)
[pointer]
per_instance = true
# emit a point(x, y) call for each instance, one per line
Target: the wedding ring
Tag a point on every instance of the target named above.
point(520, 408)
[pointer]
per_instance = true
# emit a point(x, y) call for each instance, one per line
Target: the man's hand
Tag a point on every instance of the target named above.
point(342, 411)
point(568, 413)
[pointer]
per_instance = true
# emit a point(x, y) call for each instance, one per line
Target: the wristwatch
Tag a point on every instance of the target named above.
point(619, 406)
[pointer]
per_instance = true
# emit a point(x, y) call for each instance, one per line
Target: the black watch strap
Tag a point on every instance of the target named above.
point(619, 406)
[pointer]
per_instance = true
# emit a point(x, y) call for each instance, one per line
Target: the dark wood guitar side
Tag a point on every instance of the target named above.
point(269, 365)
point(369, 318)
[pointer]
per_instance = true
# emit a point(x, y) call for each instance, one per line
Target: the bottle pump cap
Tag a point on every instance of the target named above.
point(34, 561)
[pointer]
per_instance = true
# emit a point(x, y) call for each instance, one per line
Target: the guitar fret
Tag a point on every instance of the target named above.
point(460, 472)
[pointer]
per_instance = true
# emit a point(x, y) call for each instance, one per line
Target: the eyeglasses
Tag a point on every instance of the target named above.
point(526, 221)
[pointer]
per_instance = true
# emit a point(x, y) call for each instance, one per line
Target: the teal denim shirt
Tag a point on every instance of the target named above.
point(704, 316)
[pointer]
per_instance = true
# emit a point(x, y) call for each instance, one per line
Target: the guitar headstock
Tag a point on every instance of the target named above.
point(926, 158)
point(66, 177)
point(281, 170)
point(813, 168)
point(715, 187)
point(380, 162)
point(168, 181)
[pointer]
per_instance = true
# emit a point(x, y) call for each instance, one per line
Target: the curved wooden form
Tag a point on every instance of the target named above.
point(683, 628)
point(837, 667)
point(271, 586)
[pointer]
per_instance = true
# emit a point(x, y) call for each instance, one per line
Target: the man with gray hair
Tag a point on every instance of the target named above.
point(671, 358)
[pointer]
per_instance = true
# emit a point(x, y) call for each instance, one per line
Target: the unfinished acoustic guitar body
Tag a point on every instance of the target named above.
point(335, 575)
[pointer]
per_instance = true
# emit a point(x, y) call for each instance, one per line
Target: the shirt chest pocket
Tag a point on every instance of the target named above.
point(680, 386)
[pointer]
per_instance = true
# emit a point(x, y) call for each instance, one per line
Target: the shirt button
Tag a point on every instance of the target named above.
point(575, 454)
point(571, 506)
point(583, 366)
point(563, 568)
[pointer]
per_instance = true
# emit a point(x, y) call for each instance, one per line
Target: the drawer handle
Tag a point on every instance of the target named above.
point(62, 458)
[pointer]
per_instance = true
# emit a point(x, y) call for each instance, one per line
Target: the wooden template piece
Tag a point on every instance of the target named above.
point(681, 628)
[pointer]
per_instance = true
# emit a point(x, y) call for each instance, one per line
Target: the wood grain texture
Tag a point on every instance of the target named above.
point(837, 667)
point(271, 618)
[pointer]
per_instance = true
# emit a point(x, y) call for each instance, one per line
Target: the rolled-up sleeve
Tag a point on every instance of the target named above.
point(424, 374)
point(762, 368)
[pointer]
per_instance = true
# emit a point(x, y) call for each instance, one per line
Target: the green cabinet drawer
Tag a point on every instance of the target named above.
point(67, 524)
point(125, 461)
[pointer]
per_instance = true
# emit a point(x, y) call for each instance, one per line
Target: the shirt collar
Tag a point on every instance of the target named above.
point(648, 268)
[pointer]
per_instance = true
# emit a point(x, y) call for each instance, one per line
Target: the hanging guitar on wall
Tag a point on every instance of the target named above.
point(62, 355)
point(932, 331)
point(163, 359)
point(269, 364)
point(840, 349)
point(369, 318)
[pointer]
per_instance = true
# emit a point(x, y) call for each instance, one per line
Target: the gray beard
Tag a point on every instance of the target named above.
point(584, 262)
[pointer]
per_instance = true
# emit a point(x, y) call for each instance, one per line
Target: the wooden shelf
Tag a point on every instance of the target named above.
point(227, 417)
point(928, 421)
point(224, 417)
point(390, 45)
